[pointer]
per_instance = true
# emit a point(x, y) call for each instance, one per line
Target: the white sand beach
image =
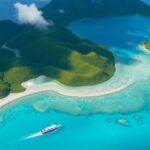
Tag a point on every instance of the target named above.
point(123, 78)
point(142, 46)
point(43, 84)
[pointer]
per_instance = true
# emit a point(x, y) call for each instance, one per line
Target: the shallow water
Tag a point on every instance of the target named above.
point(82, 129)
point(21, 124)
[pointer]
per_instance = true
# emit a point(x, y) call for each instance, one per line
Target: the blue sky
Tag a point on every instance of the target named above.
point(7, 7)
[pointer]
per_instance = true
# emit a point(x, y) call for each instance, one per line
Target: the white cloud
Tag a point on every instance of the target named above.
point(29, 14)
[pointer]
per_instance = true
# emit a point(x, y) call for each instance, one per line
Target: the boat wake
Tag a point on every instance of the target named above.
point(33, 135)
point(51, 129)
point(37, 134)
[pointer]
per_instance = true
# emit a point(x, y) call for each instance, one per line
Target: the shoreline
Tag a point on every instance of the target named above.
point(16, 96)
point(44, 84)
point(142, 46)
point(35, 86)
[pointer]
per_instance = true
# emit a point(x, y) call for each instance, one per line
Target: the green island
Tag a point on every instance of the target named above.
point(57, 52)
point(147, 44)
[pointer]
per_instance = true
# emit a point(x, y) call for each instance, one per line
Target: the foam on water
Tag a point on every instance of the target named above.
point(33, 135)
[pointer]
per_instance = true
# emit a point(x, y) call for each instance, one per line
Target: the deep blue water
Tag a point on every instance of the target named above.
point(21, 121)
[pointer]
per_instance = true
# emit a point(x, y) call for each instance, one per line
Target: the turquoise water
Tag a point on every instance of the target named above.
point(90, 123)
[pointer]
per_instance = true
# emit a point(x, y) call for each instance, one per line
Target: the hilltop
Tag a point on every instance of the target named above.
point(65, 11)
point(56, 53)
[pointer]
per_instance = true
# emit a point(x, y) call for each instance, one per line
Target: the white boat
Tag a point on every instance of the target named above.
point(51, 128)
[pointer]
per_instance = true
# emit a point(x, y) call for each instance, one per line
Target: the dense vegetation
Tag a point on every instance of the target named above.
point(66, 11)
point(67, 58)
point(7, 30)
point(57, 52)
point(13, 71)
point(4, 89)
point(147, 44)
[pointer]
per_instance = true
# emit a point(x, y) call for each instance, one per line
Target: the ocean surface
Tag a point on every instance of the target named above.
point(90, 123)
